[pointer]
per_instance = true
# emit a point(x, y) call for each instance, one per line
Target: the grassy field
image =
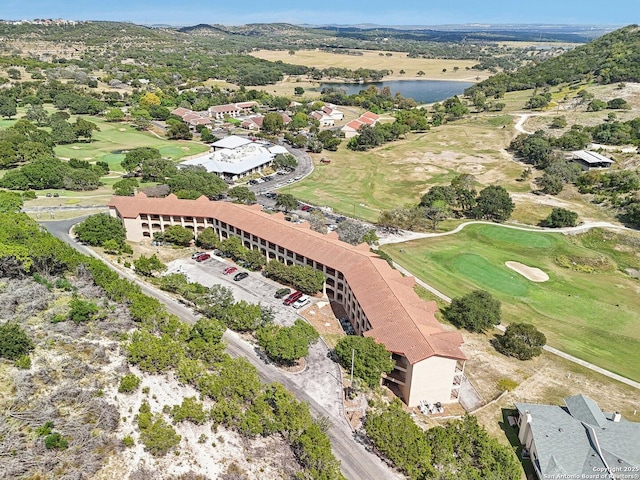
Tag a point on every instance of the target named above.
point(364, 183)
point(593, 316)
point(114, 138)
point(432, 68)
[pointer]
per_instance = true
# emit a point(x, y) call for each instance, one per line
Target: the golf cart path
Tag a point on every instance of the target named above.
point(579, 229)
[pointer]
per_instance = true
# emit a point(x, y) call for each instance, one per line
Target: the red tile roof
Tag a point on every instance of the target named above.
point(400, 320)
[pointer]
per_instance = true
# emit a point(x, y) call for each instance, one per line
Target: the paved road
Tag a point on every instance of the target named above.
point(357, 463)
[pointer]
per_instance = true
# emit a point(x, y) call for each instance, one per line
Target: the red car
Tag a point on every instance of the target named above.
point(202, 257)
point(306, 208)
point(230, 270)
point(292, 298)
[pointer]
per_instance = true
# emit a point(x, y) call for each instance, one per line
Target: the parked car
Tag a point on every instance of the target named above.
point(197, 254)
point(283, 292)
point(230, 270)
point(203, 257)
point(240, 276)
point(56, 195)
point(48, 195)
point(306, 208)
point(292, 298)
point(301, 302)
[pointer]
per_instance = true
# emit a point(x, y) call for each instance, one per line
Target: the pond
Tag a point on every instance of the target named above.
point(422, 91)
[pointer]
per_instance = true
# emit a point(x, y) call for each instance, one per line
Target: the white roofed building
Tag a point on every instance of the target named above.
point(234, 157)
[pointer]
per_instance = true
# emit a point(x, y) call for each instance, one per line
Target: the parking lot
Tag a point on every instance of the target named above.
point(253, 289)
point(321, 378)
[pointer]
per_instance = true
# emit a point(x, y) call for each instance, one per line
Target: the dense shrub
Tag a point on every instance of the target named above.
point(14, 342)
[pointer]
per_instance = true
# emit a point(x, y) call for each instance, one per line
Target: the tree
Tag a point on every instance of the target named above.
point(437, 212)
point(149, 99)
point(208, 238)
point(298, 91)
point(128, 383)
point(398, 438)
point(439, 193)
point(242, 194)
point(125, 187)
point(632, 213)
point(84, 128)
point(197, 179)
point(97, 229)
point(114, 115)
point(82, 310)
point(158, 437)
point(494, 203)
point(285, 160)
point(272, 123)
point(521, 340)
point(370, 359)
point(550, 184)
point(157, 169)
point(10, 202)
point(286, 201)
point(8, 107)
point(178, 235)
point(14, 342)
point(476, 311)
point(62, 131)
point(179, 131)
point(81, 179)
point(352, 231)
point(558, 122)
point(287, 344)
point(135, 157)
point(561, 217)
point(37, 114)
point(149, 266)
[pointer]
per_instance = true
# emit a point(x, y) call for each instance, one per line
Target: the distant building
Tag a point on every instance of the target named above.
point(193, 119)
point(234, 110)
point(588, 159)
point(254, 122)
point(351, 129)
point(578, 440)
point(234, 157)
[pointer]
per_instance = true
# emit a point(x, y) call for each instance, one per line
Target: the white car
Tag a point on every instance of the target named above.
point(301, 302)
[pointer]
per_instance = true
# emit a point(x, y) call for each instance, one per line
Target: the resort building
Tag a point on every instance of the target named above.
point(378, 300)
point(578, 440)
point(351, 129)
point(234, 157)
point(233, 110)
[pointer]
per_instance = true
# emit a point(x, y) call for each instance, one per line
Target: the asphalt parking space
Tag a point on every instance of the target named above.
point(321, 378)
point(253, 289)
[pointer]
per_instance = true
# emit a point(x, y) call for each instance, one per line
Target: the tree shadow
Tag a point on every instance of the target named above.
point(511, 432)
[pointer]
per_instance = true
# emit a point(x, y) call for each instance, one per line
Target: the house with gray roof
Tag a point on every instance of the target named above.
point(579, 440)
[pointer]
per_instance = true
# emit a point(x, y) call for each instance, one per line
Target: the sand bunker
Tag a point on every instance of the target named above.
point(530, 273)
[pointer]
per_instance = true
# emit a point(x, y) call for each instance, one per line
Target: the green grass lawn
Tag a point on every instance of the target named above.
point(362, 184)
point(114, 138)
point(593, 316)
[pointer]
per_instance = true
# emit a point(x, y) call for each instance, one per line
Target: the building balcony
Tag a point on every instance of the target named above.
point(396, 376)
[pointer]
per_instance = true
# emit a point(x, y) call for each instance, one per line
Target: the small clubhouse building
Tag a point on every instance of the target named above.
point(379, 301)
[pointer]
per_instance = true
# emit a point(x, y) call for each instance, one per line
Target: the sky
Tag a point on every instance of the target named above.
point(381, 12)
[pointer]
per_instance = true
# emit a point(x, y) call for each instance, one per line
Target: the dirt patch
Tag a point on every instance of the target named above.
point(530, 273)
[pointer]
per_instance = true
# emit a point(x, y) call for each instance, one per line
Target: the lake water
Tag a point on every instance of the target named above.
point(422, 91)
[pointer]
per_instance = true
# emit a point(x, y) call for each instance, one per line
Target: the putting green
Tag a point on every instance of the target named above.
point(593, 316)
